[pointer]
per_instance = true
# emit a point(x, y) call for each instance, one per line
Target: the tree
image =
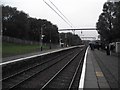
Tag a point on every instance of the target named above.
point(15, 23)
point(116, 22)
point(70, 39)
point(108, 23)
point(19, 25)
point(34, 27)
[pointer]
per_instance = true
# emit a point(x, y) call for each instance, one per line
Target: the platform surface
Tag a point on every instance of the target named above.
point(101, 70)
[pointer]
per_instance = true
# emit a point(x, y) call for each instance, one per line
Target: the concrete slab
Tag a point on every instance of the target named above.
point(90, 79)
point(94, 76)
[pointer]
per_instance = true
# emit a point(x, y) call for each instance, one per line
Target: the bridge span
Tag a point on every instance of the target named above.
point(74, 29)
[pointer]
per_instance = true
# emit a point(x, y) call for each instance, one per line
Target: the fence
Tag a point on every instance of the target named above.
point(16, 40)
point(20, 41)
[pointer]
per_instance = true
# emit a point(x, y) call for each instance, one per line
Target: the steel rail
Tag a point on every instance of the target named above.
point(50, 80)
point(76, 71)
point(38, 72)
point(28, 68)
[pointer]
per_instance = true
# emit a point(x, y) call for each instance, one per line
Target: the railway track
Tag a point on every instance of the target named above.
point(67, 76)
point(38, 75)
point(31, 67)
point(15, 67)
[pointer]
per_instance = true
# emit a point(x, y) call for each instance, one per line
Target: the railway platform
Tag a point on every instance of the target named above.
point(26, 55)
point(101, 70)
point(31, 55)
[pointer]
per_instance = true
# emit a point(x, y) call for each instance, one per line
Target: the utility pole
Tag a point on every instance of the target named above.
point(41, 39)
point(50, 38)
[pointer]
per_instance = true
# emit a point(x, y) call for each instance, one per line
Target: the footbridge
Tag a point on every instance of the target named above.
point(74, 29)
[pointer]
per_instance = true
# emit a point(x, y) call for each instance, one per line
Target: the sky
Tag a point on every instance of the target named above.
point(81, 13)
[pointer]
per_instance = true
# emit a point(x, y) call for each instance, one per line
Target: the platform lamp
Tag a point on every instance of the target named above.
point(41, 38)
point(50, 38)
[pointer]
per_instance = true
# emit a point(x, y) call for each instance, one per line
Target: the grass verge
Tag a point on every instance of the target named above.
point(11, 49)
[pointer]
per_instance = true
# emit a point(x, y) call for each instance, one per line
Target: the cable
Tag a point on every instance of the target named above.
point(60, 12)
point(57, 13)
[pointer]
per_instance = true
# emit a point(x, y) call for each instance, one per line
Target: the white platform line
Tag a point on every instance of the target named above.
point(20, 59)
point(82, 78)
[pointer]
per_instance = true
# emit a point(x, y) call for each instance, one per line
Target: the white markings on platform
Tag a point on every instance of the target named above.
point(82, 78)
point(20, 59)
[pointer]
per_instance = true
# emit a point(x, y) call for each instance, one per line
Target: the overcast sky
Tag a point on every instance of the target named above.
point(81, 13)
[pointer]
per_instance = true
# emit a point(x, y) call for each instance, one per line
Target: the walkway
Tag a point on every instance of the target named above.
point(101, 70)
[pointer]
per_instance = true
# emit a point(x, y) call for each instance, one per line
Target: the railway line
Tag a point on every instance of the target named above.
point(66, 76)
point(61, 70)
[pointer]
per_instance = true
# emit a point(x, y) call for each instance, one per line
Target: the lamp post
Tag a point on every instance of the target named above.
point(41, 37)
point(50, 38)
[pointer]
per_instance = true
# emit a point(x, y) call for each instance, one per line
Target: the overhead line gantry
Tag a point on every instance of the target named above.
point(77, 29)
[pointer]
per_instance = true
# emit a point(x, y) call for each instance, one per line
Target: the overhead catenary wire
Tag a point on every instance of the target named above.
point(57, 13)
point(61, 12)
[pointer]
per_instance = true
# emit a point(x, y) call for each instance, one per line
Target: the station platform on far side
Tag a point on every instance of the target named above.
point(34, 54)
point(101, 70)
point(6, 59)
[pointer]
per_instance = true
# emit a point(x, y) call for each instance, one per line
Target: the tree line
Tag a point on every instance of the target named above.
point(18, 24)
point(70, 39)
point(108, 24)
